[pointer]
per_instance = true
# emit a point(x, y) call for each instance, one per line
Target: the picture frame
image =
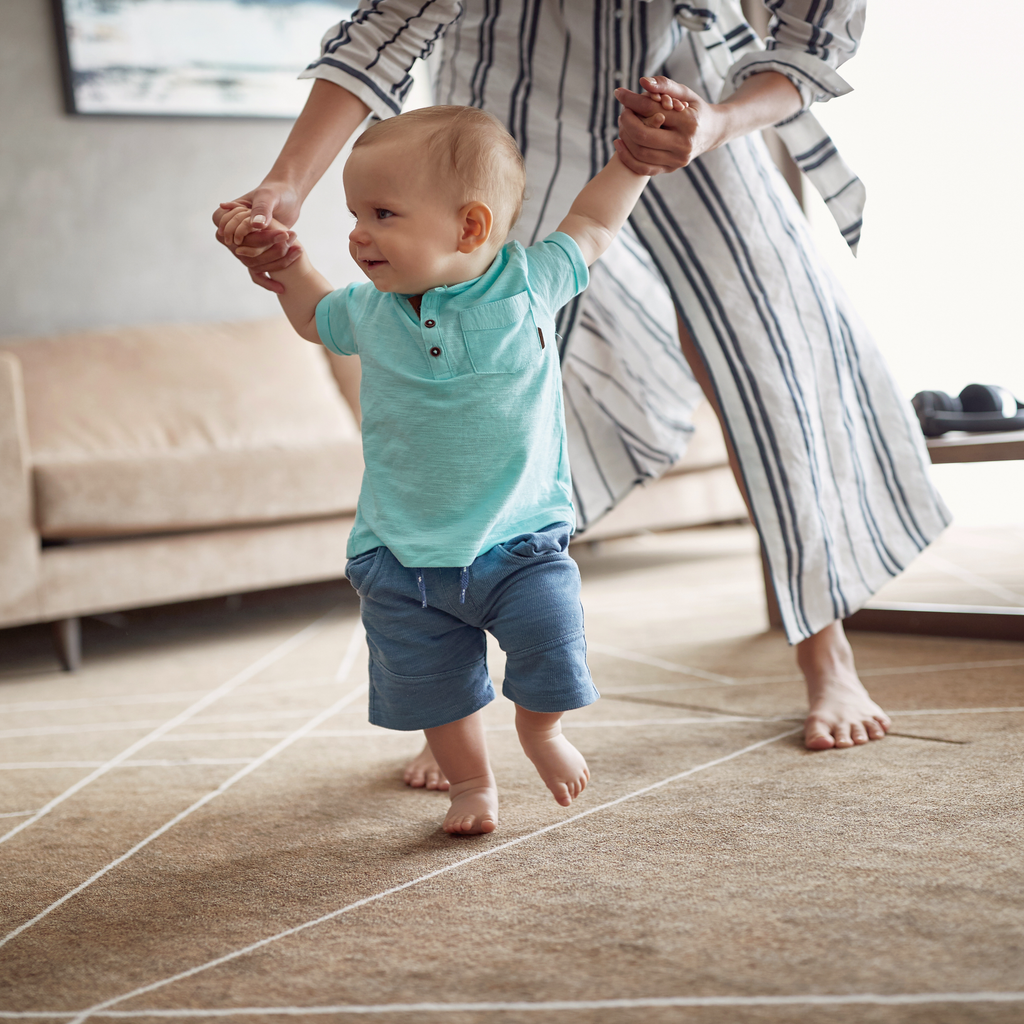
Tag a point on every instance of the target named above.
point(190, 58)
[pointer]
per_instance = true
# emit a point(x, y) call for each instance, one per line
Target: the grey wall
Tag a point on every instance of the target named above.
point(106, 221)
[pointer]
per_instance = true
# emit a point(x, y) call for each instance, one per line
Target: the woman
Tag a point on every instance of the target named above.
point(714, 287)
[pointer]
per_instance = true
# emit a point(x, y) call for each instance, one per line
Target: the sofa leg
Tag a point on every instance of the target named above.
point(67, 635)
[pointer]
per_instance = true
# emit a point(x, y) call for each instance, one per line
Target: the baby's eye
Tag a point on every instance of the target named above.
point(384, 214)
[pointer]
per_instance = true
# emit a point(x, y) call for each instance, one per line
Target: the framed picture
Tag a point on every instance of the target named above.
point(199, 58)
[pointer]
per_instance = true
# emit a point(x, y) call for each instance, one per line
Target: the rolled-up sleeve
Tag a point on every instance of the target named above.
point(370, 55)
point(807, 41)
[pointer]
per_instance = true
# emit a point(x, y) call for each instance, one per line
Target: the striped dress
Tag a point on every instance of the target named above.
point(832, 457)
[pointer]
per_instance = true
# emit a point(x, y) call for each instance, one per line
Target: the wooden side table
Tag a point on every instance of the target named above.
point(976, 621)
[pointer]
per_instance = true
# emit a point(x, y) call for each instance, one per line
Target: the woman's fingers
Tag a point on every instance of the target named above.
point(670, 146)
point(667, 87)
point(643, 105)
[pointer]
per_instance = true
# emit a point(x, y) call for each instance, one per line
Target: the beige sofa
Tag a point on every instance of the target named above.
point(144, 466)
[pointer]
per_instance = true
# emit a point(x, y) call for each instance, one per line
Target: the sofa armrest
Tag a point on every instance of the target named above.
point(19, 541)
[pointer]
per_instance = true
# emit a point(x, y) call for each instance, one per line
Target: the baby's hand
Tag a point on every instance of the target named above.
point(235, 228)
point(667, 103)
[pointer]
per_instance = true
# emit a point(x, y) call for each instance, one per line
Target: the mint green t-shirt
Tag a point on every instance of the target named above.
point(463, 428)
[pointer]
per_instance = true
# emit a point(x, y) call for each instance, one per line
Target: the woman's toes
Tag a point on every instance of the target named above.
point(817, 736)
point(858, 734)
point(874, 729)
point(842, 735)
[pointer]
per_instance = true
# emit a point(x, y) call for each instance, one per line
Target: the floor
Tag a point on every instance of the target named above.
point(201, 825)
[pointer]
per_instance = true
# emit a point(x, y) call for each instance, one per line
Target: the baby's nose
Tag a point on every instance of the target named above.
point(359, 236)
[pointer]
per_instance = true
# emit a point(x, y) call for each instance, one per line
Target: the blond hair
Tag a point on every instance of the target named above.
point(475, 155)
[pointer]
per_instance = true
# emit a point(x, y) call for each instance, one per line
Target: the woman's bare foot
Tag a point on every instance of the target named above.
point(841, 712)
point(423, 772)
point(474, 808)
point(562, 767)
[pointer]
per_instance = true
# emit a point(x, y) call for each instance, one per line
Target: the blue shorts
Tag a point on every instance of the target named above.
point(428, 666)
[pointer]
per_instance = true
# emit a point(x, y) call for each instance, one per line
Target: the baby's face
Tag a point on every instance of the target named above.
point(406, 234)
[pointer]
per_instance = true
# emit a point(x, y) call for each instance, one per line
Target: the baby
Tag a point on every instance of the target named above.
point(465, 512)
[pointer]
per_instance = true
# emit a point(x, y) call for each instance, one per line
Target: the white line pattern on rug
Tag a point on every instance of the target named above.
point(561, 1005)
point(106, 1004)
point(74, 730)
point(344, 668)
point(671, 666)
point(171, 697)
point(255, 668)
point(196, 737)
point(12, 766)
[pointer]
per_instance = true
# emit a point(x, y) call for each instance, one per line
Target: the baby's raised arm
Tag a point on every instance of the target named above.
point(601, 209)
point(304, 286)
point(605, 202)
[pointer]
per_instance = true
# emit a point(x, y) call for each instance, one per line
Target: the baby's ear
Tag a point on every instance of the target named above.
point(476, 223)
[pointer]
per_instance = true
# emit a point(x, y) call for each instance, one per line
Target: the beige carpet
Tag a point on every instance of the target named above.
point(240, 846)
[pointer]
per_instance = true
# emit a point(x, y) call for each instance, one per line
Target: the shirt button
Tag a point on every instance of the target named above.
point(435, 351)
point(429, 323)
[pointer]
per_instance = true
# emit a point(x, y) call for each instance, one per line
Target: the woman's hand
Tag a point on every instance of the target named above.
point(762, 100)
point(691, 127)
point(271, 247)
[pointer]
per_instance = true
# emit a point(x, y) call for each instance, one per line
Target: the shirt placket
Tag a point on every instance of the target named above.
point(433, 338)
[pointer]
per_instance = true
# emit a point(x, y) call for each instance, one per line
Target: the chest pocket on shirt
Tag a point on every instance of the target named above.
point(501, 336)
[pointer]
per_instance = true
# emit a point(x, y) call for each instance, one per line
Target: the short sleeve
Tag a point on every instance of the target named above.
point(557, 271)
point(371, 54)
point(334, 321)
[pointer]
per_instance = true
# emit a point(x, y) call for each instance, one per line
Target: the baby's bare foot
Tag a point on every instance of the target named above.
point(841, 712)
point(423, 772)
point(474, 807)
point(562, 767)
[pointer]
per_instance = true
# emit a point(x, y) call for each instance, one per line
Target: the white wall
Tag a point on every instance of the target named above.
point(933, 128)
point(106, 220)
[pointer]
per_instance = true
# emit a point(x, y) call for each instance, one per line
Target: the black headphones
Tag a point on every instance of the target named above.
point(980, 407)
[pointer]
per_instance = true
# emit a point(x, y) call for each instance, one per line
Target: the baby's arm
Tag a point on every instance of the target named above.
point(602, 207)
point(304, 286)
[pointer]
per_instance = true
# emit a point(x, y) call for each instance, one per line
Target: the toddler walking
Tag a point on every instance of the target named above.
point(465, 512)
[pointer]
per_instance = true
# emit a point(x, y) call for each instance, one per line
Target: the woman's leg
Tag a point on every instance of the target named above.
point(841, 714)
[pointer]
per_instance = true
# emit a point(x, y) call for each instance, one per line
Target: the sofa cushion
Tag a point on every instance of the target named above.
point(179, 427)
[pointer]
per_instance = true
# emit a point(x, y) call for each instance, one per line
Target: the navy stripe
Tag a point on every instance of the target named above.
point(402, 28)
point(761, 303)
point(888, 466)
point(558, 142)
point(365, 79)
point(823, 159)
point(485, 52)
point(797, 70)
point(886, 560)
point(796, 306)
point(814, 149)
point(746, 387)
point(835, 195)
point(745, 41)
